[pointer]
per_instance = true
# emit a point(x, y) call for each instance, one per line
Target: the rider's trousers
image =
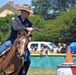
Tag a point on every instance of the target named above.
point(5, 46)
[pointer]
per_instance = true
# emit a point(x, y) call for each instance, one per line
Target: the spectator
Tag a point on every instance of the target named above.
point(64, 49)
point(44, 50)
point(59, 48)
point(51, 50)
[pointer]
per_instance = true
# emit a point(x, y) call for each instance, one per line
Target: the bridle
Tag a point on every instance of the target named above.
point(17, 42)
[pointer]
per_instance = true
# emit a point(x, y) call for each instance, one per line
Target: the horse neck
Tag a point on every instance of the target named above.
point(11, 57)
point(12, 60)
point(12, 54)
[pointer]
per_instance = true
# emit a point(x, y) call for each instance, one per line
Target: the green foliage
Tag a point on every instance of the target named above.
point(62, 29)
point(42, 7)
point(49, 9)
point(5, 27)
point(67, 26)
point(37, 21)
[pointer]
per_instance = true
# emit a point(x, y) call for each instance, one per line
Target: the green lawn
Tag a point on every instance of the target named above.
point(41, 72)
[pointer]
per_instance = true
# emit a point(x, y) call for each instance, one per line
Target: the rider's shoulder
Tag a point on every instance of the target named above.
point(14, 18)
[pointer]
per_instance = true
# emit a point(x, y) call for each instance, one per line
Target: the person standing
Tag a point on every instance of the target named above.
point(64, 48)
point(59, 47)
point(20, 22)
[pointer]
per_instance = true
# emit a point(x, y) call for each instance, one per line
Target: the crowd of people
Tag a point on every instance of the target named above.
point(62, 47)
point(43, 50)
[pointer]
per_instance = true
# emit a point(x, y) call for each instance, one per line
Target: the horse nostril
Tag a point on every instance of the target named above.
point(18, 53)
point(22, 55)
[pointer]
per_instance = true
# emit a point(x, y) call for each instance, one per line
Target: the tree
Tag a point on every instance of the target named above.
point(42, 7)
point(61, 29)
point(5, 27)
point(49, 9)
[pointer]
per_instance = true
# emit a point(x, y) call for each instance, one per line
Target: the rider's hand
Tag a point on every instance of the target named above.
point(30, 29)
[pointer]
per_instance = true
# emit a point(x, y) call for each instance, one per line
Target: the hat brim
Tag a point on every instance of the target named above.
point(30, 11)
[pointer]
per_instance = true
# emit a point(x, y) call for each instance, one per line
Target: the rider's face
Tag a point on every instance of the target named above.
point(25, 13)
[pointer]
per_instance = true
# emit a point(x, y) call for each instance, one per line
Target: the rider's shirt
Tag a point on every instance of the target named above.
point(18, 24)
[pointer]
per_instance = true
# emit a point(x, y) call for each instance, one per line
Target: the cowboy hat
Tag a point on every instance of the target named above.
point(26, 8)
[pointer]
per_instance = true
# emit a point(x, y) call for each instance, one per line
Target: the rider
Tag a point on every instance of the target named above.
point(20, 22)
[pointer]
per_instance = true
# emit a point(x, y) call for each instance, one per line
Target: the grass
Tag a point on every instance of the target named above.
point(41, 72)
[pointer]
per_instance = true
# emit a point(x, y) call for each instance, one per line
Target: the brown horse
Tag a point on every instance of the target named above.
point(12, 60)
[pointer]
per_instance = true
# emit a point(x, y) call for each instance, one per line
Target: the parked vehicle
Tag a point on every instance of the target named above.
point(37, 46)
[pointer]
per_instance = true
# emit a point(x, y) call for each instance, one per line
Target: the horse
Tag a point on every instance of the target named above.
point(12, 60)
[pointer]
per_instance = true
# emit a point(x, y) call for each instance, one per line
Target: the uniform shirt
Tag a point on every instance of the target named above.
point(18, 24)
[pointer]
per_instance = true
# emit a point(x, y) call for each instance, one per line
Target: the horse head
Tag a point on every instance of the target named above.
point(21, 45)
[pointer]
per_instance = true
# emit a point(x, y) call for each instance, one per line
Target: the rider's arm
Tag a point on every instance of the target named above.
point(17, 25)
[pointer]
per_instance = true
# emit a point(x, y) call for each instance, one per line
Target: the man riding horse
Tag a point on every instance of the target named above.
point(20, 23)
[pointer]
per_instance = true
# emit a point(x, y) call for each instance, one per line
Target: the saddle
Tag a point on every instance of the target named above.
point(4, 52)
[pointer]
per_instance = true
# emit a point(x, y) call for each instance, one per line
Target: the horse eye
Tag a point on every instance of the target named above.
point(18, 42)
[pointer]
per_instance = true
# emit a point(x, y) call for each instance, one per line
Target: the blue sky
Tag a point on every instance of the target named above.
point(3, 2)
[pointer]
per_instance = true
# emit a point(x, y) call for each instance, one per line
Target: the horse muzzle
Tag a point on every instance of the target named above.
point(20, 55)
